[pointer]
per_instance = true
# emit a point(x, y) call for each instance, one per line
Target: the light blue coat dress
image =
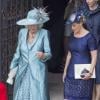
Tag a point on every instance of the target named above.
point(31, 77)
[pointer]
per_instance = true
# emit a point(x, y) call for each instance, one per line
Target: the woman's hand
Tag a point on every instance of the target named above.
point(87, 76)
point(40, 55)
point(64, 76)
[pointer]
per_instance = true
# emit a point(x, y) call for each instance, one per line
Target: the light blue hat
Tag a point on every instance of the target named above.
point(35, 16)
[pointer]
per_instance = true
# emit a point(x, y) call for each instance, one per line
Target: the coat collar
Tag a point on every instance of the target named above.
point(95, 11)
point(85, 10)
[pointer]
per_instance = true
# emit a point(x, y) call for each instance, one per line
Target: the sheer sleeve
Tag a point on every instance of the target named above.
point(92, 44)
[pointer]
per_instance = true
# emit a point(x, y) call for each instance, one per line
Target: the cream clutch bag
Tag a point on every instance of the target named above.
point(80, 69)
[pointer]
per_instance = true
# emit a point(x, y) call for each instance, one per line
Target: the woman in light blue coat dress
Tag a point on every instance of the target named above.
point(28, 63)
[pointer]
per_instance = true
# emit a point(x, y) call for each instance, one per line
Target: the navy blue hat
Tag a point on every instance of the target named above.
point(76, 18)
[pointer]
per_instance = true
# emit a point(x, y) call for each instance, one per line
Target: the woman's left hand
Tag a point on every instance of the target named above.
point(87, 76)
point(40, 55)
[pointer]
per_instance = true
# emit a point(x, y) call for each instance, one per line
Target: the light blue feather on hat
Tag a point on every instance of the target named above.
point(35, 16)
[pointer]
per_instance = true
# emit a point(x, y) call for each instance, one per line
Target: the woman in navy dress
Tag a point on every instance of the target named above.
point(82, 50)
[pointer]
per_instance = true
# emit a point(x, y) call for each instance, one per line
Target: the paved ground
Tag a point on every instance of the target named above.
point(55, 86)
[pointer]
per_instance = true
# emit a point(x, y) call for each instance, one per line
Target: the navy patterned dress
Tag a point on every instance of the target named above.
point(77, 89)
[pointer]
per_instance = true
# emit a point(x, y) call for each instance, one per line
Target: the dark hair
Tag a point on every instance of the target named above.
point(85, 26)
point(82, 20)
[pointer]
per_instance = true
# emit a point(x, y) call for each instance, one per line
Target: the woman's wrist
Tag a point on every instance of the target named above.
point(91, 71)
point(44, 56)
point(64, 70)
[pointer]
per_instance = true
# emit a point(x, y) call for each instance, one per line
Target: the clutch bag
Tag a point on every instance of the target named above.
point(81, 69)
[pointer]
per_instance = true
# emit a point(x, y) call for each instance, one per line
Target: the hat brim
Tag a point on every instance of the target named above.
point(30, 21)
